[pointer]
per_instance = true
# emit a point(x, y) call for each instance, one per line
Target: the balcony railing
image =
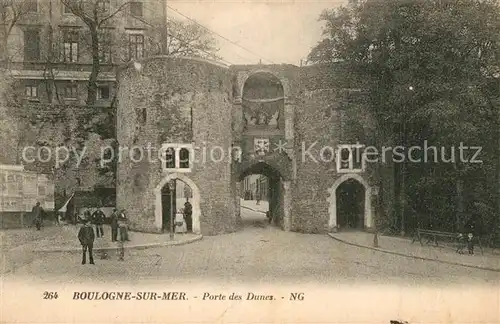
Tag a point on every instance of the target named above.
point(62, 66)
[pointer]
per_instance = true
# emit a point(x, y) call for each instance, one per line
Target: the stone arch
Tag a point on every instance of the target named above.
point(283, 82)
point(195, 200)
point(277, 161)
point(332, 200)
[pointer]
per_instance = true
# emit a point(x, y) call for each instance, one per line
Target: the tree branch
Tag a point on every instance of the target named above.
point(120, 8)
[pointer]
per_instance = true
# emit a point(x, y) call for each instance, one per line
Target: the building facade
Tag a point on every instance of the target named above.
point(254, 186)
point(20, 190)
point(51, 43)
point(211, 126)
point(48, 54)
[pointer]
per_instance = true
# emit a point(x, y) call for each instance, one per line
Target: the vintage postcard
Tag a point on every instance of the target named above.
point(236, 161)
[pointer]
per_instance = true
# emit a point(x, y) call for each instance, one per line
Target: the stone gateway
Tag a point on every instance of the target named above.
point(209, 126)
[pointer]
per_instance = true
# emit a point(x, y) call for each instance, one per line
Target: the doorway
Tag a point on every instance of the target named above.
point(261, 203)
point(177, 205)
point(350, 205)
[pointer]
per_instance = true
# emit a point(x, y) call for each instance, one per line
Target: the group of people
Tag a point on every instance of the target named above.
point(86, 236)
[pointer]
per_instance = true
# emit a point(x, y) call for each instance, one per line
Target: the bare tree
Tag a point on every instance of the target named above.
point(11, 12)
point(181, 38)
point(95, 14)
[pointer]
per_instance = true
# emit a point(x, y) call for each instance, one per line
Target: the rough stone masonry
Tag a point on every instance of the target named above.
point(194, 105)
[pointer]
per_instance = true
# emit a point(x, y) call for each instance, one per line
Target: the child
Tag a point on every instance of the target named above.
point(470, 243)
point(86, 237)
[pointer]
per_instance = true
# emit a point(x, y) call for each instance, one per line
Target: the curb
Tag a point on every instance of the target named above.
point(129, 247)
point(255, 210)
point(414, 256)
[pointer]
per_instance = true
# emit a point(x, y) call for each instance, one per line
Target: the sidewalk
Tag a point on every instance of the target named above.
point(403, 247)
point(262, 207)
point(66, 240)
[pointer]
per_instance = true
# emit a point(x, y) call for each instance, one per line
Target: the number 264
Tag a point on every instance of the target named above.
point(50, 295)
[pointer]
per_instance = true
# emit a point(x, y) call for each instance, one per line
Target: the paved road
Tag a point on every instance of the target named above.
point(259, 253)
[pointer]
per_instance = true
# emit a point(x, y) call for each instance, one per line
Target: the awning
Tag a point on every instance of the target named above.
point(63, 209)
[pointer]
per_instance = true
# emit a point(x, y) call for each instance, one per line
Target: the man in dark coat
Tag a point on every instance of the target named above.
point(98, 219)
point(38, 214)
point(123, 226)
point(86, 238)
point(114, 226)
point(188, 213)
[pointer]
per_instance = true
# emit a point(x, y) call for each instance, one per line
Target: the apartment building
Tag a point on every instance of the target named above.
point(49, 48)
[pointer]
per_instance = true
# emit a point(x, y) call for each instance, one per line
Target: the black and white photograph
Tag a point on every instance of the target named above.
point(237, 161)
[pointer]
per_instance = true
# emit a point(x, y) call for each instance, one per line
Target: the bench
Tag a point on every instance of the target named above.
point(432, 236)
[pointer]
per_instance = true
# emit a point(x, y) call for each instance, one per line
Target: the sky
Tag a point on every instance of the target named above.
point(271, 31)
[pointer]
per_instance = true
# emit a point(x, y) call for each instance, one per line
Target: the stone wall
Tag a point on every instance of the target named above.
point(187, 101)
point(317, 129)
point(33, 125)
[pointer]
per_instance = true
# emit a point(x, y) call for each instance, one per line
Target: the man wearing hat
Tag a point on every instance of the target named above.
point(114, 225)
point(86, 237)
point(38, 214)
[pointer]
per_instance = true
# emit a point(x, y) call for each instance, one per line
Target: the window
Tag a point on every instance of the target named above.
point(177, 157)
point(70, 46)
point(71, 91)
point(105, 46)
point(136, 9)
point(103, 5)
point(184, 158)
point(31, 45)
point(72, 4)
point(103, 92)
point(32, 6)
point(350, 158)
point(31, 91)
point(41, 190)
point(136, 46)
point(170, 158)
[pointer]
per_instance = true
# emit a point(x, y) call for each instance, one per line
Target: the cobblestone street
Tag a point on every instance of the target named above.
point(259, 253)
point(260, 259)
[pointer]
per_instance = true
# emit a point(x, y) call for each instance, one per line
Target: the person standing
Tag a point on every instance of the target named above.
point(188, 215)
point(38, 215)
point(114, 225)
point(470, 243)
point(123, 225)
point(86, 238)
point(98, 219)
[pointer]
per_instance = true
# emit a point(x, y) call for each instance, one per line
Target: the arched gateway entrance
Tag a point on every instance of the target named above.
point(350, 203)
point(163, 207)
point(270, 189)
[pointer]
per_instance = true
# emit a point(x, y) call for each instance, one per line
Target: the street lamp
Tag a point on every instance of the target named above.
point(171, 187)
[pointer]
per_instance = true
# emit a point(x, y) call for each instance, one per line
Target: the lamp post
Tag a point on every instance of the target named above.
point(171, 186)
point(375, 193)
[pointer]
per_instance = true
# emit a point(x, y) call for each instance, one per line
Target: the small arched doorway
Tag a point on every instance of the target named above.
point(172, 193)
point(262, 196)
point(350, 203)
